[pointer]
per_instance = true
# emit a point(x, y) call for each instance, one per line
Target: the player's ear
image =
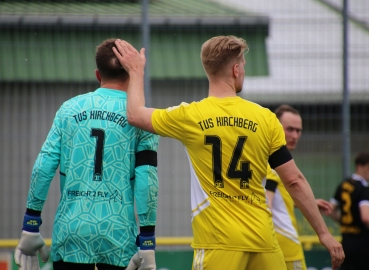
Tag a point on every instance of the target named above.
point(97, 74)
point(235, 70)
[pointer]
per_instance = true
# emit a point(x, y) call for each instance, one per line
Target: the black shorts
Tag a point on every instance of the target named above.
point(356, 253)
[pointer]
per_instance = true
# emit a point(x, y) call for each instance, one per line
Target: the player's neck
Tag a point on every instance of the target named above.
point(221, 90)
point(116, 86)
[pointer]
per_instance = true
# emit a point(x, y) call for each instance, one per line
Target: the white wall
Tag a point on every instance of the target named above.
point(305, 50)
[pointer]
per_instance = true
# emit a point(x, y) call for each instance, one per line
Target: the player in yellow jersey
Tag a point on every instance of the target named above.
point(280, 201)
point(229, 142)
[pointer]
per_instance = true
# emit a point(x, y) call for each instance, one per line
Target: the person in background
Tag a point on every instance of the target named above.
point(279, 200)
point(229, 142)
point(106, 166)
point(351, 211)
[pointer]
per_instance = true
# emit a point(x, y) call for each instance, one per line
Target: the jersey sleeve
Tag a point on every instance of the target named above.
point(170, 122)
point(45, 166)
point(146, 182)
point(272, 180)
point(278, 138)
point(337, 196)
point(364, 199)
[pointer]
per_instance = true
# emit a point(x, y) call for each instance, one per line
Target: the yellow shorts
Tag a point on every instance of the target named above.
point(216, 259)
point(296, 265)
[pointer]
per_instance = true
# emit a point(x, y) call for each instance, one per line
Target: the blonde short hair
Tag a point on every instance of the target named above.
point(219, 51)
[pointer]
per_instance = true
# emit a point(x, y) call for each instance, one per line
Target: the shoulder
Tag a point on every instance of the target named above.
point(256, 106)
point(183, 105)
point(77, 98)
point(180, 109)
point(262, 112)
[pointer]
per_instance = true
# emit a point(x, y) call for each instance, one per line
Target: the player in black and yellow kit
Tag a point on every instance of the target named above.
point(351, 210)
point(229, 142)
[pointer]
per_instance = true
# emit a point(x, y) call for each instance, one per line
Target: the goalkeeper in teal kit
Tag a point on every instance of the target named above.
point(108, 182)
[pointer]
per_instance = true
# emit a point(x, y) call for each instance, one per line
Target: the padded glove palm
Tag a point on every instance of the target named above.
point(30, 244)
point(144, 259)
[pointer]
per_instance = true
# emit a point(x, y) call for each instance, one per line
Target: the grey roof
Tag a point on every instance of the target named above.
point(39, 34)
point(161, 12)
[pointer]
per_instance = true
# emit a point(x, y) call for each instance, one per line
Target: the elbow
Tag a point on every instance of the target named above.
point(295, 185)
point(294, 181)
point(131, 119)
point(291, 176)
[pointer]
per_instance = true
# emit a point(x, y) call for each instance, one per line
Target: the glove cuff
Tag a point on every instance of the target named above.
point(31, 223)
point(146, 242)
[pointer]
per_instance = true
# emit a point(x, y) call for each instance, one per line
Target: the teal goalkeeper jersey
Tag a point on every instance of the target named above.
point(100, 179)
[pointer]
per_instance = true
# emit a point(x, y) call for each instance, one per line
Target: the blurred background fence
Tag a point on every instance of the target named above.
point(47, 56)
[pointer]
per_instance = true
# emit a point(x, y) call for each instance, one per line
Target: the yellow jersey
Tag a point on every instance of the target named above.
point(228, 142)
point(284, 219)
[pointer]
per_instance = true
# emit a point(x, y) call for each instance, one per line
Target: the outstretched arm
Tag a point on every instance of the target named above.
point(134, 63)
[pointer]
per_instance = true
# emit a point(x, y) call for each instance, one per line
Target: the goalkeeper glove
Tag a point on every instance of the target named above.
point(144, 259)
point(30, 243)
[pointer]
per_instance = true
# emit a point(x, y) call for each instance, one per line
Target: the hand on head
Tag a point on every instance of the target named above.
point(130, 59)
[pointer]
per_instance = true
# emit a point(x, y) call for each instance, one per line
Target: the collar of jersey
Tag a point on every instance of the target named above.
point(359, 178)
point(225, 99)
point(111, 92)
